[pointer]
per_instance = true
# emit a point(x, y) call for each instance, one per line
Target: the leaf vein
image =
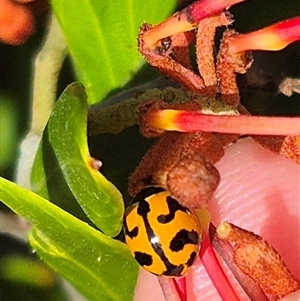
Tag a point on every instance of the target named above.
point(106, 57)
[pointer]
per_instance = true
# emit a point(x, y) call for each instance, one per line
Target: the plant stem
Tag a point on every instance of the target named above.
point(48, 64)
point(215, 271)
point(192, 121)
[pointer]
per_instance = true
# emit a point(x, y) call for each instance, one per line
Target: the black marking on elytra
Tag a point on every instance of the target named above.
point(133, 233)
point(145, 193)
point(143, 259)
point(182, 238)
point(143, 208)
point(191, 259)
point(174, 270)
point(173, 206)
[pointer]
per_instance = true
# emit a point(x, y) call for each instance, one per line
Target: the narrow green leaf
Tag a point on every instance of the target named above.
point(47, 180)
point(66, 135)
point(90, 260)
point(102, 38)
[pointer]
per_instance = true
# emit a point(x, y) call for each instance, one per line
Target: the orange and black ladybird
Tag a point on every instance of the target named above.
point(162, 235)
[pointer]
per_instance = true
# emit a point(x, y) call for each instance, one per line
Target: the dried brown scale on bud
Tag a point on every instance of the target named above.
point(178, 161)
point(156, 163)
point(273, 143)
point(290, 148)
point(239, 62)
point(227, 63)
point(260, 261)
point(177, 145)
point(210, 145)
point(177, 158)
point(205, 41)
point(143, 174)
point(225, 139)
point(193, 181)
point(179, 48)
point(227, 67)
point(182, 145)
point(168, 66)
point(225, 250)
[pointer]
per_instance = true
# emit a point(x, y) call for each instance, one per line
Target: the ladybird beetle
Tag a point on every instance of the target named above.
point(162, 235)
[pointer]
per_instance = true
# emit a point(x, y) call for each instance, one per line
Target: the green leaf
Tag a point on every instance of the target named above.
point(47, 180)
point(66, 138)
point(102, 38)
point(87, 258)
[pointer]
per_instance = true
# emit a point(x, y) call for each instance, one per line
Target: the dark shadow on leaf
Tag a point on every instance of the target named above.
point(120, 154)
point(58, 190)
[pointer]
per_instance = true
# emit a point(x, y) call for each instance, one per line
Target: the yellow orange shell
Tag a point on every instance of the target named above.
point(161, 234)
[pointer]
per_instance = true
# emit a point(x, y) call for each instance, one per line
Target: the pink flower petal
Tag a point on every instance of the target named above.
point(259, 191)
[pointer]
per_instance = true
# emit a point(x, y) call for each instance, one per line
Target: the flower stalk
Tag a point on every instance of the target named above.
point(186, 20)
point(194, 121)
point(274, 37)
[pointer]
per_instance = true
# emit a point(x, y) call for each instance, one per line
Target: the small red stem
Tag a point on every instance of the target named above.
point(187, 19)
point(180, 285)
point(207, 8)
point(215, 271)
point(274, 37)
point(191, 121)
